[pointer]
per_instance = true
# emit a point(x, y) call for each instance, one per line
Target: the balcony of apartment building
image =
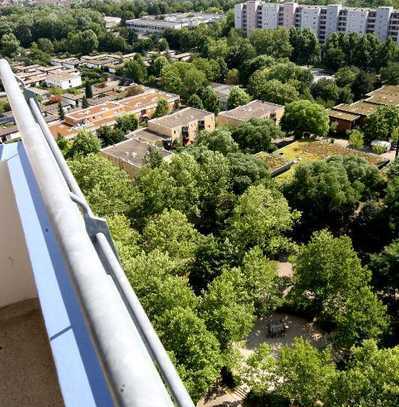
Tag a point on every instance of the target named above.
point(72, 331)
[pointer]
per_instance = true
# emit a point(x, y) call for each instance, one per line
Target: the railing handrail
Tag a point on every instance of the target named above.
point(154, 345)
point(126, 358)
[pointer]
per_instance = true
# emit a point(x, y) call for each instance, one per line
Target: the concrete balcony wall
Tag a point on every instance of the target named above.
point(15, 269)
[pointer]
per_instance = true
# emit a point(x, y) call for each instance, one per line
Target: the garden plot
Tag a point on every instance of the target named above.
point(308, 150)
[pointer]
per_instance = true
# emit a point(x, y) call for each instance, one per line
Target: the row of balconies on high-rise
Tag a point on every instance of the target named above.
point(384, 21)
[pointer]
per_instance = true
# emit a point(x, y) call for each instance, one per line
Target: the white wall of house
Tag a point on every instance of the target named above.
point(71, 82)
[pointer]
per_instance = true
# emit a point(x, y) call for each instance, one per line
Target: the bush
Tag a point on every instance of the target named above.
point(356, 139)
point(378, 149)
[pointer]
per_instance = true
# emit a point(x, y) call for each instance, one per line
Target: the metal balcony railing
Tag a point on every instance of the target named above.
point(138, 370)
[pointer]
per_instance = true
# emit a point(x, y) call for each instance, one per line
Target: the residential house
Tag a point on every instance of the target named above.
point(64, 79)
point(255, 109)
point(183, 125)
point(94, 117)
point(348, 116)
point(130, 154)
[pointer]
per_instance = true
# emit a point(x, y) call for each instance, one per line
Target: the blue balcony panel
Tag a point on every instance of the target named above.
point(80, 375)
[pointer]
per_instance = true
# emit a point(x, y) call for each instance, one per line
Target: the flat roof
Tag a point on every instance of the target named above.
point(147, 135)
point(362, 107)
point(147, 99)
point(61, 76)
point(132, 151)
point(386, 95)
point(86, 113)
point(222, 89)
point(336, 114)
point(254, 109)
point(106, 113)
point(181, 117)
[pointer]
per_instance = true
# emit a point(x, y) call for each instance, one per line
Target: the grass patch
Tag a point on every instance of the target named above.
point(272, 161)
point(308, 150)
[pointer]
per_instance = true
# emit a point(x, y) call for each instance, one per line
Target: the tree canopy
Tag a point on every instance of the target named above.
point(305, 117)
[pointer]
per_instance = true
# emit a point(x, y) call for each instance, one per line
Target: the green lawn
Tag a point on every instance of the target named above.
point(309, 150)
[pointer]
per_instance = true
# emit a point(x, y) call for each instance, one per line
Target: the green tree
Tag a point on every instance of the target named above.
point(83, 42)
point(162, 108)
point(136, 70)
point(158, 64)
point(305, 47)
point(218, 140)
point(217, 48)
point(385, 268)
point(210, 258)
point(391, 202)
point(210, 100)
point(259, 371)
point(64, 145)
point(304, 374)
point(303, 116)
point(107, 188)
point(261, 282)
point(261, 218)
point(163, 44)
point(324, 194)
point(240, 50)
point(126, 123)
point(363, 84)
point(61, 112)
point(287, 72)
point(366, 178)
point(109, 136)
point(126, 239)
point(356, 139)
point(256, 135)
point(194, 348)
point(85, 103)
point(172, 78)
point(233, 77)
point(45, 45)
point(154, 278)
point(390, 74)
point(210, 67)
point(153, 157)
point(363, 317)
point(253, 65)
point(393, 169)
point(326, 90)
point(162, 188)
point(183, 78)
point(371, 378)
point(237, 97)
point(381, 124)
point(271, 90)
point(247, 170)
point(226, 308)
point(9, 45)
point(88, 90)
point(171, 232)
point(85, 143)
point(329, 269)
point(88, 42)
point(195, 101)
point(272, 42)
point(346, 75)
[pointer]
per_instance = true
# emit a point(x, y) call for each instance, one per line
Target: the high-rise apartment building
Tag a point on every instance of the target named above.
point(321, 20)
